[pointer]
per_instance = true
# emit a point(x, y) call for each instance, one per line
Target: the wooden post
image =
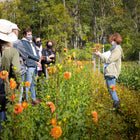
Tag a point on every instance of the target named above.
point(103, 64)
point(94, 59)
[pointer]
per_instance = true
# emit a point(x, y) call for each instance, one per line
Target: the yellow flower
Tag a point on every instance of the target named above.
point(14, 68)
point(64, 119)
point(48, 97)
point(59, 123)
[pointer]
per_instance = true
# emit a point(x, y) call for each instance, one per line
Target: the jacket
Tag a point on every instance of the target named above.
point(114, 61)
point(47, 53)
point(31, 60)
point(23, 55)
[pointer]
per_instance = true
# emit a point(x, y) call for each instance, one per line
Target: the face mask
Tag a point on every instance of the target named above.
point(49, 46)
point(38, 43)
point(113, 46)
point(29, 37)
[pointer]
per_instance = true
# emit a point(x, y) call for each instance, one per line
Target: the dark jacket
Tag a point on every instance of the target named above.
point(47, 53)
point(31, 60)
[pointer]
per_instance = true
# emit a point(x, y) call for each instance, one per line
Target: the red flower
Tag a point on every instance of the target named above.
point(95, 116)
point(27, 84)
point(51, 106)
point(18, 108)
point(65, 50)
point(24, 104)
point(112, 87)
point(12, 98)
point(79, 63)
point(56, 132)
point(12, 84)
point(3, 74)
point(67, 75)
point(53, 121)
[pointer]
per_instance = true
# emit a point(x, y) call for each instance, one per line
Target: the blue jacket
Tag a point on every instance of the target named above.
point(32, 59)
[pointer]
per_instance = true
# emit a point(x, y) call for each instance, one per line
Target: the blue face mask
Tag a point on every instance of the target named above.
point(113, 46)
point(29, 37)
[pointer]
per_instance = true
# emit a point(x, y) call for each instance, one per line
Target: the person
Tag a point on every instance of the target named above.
point(48, 56)
point(113, 65)
point(9, 58)
point(38, 43)
point(31, 73)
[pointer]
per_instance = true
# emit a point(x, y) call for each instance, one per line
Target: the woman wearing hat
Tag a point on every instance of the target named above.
point(9, 58)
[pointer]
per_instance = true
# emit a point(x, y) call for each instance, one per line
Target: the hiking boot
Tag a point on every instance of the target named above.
point(116, 103)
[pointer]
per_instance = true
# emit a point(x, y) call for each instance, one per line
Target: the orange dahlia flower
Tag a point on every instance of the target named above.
point(24, 104)
point(51, 106)
point(54, 69)
point(65, 50)
point(93, 63)
point(27, 84)
point(3, 74)
point(53, 121)
point(67, 75)
point(73, 54)
point(95, 116)
point(18, 108)
point(112, 87)
point(56, 132)
point(12, 84)
point(12, 98)
point(79, 63)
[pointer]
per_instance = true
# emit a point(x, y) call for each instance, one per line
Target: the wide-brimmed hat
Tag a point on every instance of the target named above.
point(6, 33)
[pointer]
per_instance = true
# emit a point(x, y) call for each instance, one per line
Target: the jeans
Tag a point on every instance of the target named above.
point(21, 92)
point(2, 119)
point(112, 81)
point(31, 77)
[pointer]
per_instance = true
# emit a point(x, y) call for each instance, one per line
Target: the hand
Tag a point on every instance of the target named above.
point(48, 59)
point(52, 55)
point(42, 57)
point(97, 53)
point(38, 64)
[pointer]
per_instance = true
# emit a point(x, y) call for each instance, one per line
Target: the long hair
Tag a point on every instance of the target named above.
point(53, 49)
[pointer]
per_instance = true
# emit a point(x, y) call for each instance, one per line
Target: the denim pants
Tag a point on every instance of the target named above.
point(21, 92)
point(109, 82)
point(2, 119)
point(31, 77)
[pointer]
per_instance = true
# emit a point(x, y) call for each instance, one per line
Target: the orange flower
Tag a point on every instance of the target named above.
point(54, 69)
point(3, 74)
point(65, 50)
point(93, 63)
point(73, 54)
point(27, 84)
point(51, 106)
point(12, 84)
point(12, 98)
point(53, 121)
point(24, 104)
point(18, 108)
point(79, 63)
point(112, 87)
point(56, 132)
point(95, 116)
point(67, 75)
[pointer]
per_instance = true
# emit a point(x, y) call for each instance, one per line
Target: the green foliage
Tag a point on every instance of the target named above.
point(130, 76)
point(74, 100)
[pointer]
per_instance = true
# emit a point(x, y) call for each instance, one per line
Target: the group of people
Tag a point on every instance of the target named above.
point(30, 59)
point(23, 59)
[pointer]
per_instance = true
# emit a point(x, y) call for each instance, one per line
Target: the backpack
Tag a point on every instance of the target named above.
point(3, 99)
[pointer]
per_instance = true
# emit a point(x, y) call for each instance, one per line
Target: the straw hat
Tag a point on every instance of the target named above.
point(6, 33)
